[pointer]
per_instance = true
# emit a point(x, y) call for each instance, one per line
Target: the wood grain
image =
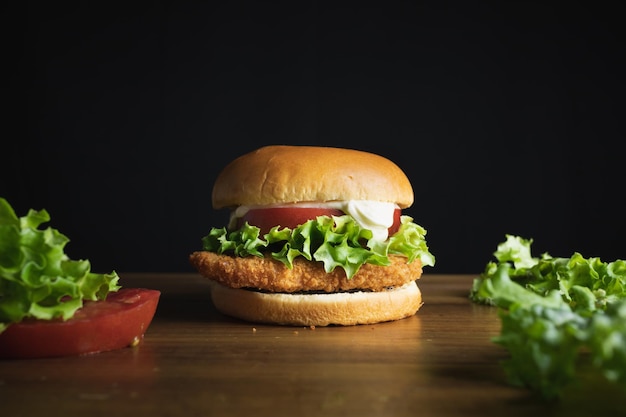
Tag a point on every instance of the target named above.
point(194, 361)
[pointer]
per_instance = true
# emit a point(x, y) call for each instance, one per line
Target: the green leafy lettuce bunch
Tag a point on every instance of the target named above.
point(37, 278)
point(556, 314)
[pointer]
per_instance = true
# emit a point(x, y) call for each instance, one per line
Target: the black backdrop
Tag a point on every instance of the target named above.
point(508, 117)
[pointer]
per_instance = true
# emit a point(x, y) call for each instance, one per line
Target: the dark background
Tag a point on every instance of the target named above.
point(508, 117)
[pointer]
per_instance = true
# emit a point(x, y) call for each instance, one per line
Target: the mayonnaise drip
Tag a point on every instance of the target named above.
point(376, 216)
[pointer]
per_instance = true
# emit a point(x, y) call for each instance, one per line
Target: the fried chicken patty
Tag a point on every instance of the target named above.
point(268, 274)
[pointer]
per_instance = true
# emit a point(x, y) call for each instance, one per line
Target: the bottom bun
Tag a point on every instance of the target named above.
point(347, 308)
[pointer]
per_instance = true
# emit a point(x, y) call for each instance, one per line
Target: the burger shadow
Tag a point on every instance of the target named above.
point(192, 304)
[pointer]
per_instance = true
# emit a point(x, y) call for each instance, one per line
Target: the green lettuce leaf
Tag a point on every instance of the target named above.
point(556, 312)
point(37, 278)
point(336, 241)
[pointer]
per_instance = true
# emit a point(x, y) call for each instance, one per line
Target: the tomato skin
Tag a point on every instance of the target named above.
point(117, 322)
point(266, 218)
point(397, 213)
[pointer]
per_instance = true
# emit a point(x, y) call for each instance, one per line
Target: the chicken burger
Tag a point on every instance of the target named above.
point(316, 237)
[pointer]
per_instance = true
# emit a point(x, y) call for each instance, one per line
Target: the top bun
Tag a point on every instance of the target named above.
point(293, 174)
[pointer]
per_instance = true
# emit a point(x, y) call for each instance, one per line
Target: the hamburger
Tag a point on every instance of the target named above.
point(315, 237)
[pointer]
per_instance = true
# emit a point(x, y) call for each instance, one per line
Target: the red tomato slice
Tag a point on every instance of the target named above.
point(266, 218)
point(396, 222)
point(117, 322)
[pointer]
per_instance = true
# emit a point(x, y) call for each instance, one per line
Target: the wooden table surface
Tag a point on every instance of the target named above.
point(196, 362)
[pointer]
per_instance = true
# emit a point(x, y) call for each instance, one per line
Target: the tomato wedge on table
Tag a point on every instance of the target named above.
point(117, 322)
point(266, 218)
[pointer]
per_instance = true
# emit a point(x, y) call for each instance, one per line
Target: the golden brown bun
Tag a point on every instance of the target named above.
point(318, 309)
point(290, 174)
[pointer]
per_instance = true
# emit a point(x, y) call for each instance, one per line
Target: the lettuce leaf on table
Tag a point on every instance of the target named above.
point(554, 313)
point(37, 278)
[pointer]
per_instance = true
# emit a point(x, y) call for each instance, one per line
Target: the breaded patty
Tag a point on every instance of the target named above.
point(271, 275)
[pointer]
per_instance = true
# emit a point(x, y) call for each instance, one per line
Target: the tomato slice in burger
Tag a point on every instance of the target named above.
point(397, 213)
point(117, 322)
point(266, 218)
